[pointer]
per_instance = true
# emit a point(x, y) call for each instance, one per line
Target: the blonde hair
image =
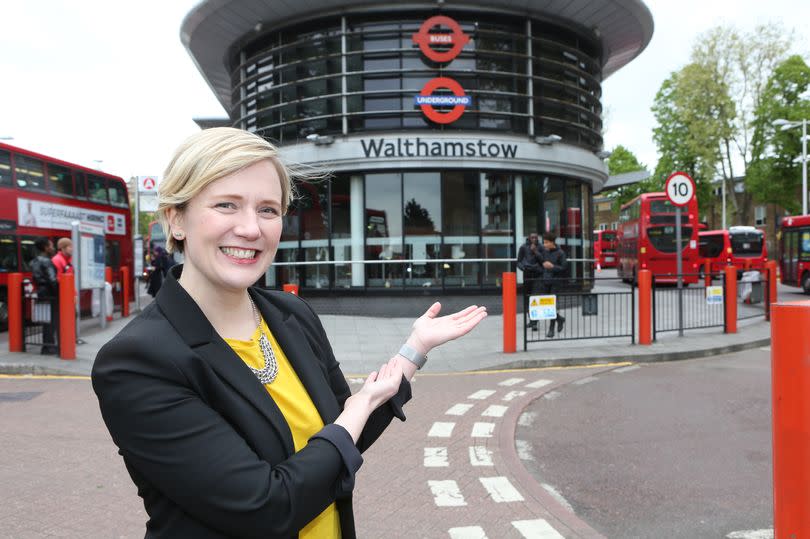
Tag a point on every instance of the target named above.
point(206, 157)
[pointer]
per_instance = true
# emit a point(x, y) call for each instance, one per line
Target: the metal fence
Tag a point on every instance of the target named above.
point(40, 321)
point(598, 311)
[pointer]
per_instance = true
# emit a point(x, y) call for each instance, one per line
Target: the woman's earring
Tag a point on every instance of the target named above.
point(178, 235)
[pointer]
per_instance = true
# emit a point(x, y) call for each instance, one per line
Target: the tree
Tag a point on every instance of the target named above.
point(621, 161)
point(773, 176)
point(743, 63)
point(694, 114)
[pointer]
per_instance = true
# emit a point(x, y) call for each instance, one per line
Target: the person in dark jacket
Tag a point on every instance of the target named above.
point(529, 262)
point(44, 275)
point(554, 265)
point(160, 266)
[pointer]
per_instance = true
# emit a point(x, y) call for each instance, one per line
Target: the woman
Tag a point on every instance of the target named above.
point(160, 266)
point(225, 400)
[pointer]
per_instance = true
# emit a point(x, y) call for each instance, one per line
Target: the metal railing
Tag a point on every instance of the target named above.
point(40, 321)
point(602, 312)
point(698, 313)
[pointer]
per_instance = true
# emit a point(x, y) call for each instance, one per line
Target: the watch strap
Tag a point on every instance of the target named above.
point(409, 353)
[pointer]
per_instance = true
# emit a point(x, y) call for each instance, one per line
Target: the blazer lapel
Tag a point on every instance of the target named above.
point(186, 317)
point(295, 344)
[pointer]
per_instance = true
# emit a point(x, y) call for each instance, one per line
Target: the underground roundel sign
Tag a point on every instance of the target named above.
point(456, 39)
point(427, 100)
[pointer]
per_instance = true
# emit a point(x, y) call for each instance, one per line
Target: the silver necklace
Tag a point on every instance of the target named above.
point(267, 374)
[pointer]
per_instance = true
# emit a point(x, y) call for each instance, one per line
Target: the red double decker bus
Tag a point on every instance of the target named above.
point(604, 248)
point(646, 239)
point(794, 252)
point(42, 196)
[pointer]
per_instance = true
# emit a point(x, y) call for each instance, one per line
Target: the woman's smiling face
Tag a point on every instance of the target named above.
point(232, 229)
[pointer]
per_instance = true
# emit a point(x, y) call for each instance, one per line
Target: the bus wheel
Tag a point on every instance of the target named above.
point(806, 282)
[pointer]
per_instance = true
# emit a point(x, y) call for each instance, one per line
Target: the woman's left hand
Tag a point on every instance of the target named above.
point(431, 330)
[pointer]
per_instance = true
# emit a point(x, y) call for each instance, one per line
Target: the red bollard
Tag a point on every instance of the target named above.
point(707, 272)
point(730, 297)
point(125, 291)
point(509, 312)
point(790, 380)
point(67, 317)
point(291, 288)
point(644, 307)
point(15, 312)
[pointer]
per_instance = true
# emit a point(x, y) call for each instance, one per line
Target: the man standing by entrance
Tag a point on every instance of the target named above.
point(553, 266)
point(43, 273)
point(529, 259)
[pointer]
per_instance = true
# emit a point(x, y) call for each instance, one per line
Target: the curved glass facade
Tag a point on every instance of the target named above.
point(427, 228)
point(360, 73)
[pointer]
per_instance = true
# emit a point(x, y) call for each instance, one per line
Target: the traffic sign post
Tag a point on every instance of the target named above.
point(680, 189)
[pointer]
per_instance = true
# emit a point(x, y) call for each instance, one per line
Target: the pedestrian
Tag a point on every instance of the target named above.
point(240, 422)
point(43, 273)
point(63, 259)
point(160, 267)
point(554, 265)
point(529, 260)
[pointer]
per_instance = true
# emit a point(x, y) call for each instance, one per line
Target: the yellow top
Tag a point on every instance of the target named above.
point(302, 417)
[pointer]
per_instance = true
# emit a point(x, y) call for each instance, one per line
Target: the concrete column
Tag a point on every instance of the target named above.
point(518, 191)
point(357, 209)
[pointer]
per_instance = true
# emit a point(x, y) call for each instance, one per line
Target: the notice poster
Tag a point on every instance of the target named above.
point(542, 307)
point(91, 256)
point(714, 295)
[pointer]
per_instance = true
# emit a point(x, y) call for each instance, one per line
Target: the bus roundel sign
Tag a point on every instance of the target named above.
point(680, 188)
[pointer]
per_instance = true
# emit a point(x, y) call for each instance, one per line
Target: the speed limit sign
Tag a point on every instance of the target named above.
point(680, 188)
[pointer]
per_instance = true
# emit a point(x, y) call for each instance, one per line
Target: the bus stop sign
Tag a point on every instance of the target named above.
point(680, 189)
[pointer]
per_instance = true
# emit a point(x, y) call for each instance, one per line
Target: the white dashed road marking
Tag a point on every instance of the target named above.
point(583, 381)
point(526, 419)
point(441, 430)
point(495, 410)
point(524, 450)
point(459, 409)
point(446, 494)
point(536, 529)
point(513, 395)
point(482, 394)
point(751, 534)
point(557, 496)
point(500, 489)
point(480, 456)
point(511, 382)
point(467, 532)
point(483, 430)
point(538, 384)
point(551, 395)
point(436, 457)
point(627, 369)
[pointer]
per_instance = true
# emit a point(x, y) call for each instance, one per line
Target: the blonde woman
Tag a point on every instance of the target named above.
point(225, 400)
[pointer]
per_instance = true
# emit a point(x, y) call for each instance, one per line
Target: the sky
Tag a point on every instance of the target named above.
point(109, 85)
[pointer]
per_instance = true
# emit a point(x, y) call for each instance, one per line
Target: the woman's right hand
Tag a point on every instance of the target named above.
point(378, 388)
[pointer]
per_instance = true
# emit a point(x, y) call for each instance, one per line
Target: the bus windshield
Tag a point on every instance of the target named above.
point(747, 243)
point(663, 237)
point(711, 245)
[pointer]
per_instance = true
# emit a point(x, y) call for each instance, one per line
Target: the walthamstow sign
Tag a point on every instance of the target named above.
point(427, 99)
point(419, 147)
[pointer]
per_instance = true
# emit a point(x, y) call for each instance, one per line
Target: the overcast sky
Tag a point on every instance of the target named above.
point(108, 84)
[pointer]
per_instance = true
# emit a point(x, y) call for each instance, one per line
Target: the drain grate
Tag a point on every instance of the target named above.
point(19, 396)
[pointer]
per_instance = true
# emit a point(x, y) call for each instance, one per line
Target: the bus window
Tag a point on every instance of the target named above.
point(804, 245)
point(8, 253)
point(28, 251)
point(711, 246)
point(118, 194)
point(29, 173)
point(746, 243)
point(60, 180)
point(81, 186)
point(112, 256)
point(97, 188)
point(5, 168)
point(663, 237)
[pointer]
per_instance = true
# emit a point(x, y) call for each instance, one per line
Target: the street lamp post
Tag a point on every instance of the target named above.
point(787, 124)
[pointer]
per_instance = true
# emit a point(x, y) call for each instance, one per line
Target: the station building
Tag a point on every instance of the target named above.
point(450, 129)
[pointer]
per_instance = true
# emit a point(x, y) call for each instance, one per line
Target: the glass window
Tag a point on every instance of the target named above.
point(341, 225)
point(97, 187)
point(747, 243)
point(460, 226)
point(711, 245)
point(5, 168)
point(313, 209)
point(383, 229)
point(422, 219)
point(112, 254)
point(60, 180)
point(28, 251)
point(553, 205)
point(497, 239)
point(118, 193)
point(30, 173)
point(81, 187)
point(8, 253)
point(531, 205)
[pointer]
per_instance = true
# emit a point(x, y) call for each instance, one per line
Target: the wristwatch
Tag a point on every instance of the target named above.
point(412, 355)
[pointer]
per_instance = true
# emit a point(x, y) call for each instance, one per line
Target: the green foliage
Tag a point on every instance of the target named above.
point(773, 176)
point(622, 160)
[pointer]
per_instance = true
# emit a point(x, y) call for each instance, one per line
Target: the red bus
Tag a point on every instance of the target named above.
point(646, 239)
point(740, 246)
point(41, 196)
point(604, 248)
point(794, 251)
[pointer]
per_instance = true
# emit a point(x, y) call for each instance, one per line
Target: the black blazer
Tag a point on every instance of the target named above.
point(209, 450)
